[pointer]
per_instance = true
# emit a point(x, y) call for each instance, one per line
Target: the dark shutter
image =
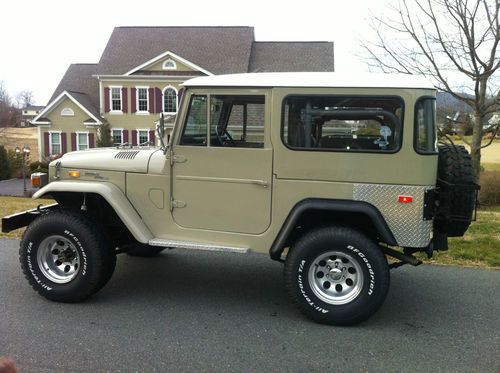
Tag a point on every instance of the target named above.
point(73, 141)
point(91, 140)
point(132, 100)
point(125, 136)
point(152, 137)
point(124, 100)
point(64, 143)
point(151, 100)
point(134, 137)
point(46, 143)
point(159, 106)
point(106, 100)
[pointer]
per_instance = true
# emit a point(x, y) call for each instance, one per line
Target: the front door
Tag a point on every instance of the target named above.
point(222, 170)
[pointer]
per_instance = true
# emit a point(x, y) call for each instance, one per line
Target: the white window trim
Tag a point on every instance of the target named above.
point(117, 129)
point(141, 112)
point(142, 129)
point(67, 112)
point(176, 99)
point(165, 67)
point(111, 100)
point(78, 139)
point(50, 142)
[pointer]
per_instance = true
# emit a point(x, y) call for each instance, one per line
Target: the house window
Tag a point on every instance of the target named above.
point(116, 99)
point(142, 100)
point(170, 100)
point(82, 140)
point(142, 136)
point(67, 112)
point(117, 136)
point(169, 65)
point(55, 143)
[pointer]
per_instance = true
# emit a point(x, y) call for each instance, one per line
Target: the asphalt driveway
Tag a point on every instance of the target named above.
point(14, 187)
point(214, 312)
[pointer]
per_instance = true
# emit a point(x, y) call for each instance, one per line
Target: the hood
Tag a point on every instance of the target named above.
point(111, 159)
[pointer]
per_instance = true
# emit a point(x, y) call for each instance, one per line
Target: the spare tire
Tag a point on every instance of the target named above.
point(457, 190)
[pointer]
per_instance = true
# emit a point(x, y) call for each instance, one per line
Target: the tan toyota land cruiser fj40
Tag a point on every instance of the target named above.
point(326, 174)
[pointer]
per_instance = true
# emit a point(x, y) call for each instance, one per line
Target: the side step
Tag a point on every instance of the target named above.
point(196, 246)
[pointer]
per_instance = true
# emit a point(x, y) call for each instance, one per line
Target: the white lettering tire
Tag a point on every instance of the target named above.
point(336, 275)
point(65, 256)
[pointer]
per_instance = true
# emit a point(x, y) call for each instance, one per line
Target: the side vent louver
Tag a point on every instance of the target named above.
point(126, 154)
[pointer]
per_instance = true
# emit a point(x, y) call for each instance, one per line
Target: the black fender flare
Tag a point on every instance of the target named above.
point(334, 205)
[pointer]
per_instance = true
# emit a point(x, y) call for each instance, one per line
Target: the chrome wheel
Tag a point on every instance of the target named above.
point(58, 259)
point(336, 277)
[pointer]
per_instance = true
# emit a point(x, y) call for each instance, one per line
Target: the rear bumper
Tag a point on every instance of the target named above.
point(22, 219)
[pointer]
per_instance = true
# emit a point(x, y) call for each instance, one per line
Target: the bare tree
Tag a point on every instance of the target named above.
point(4, 96)
point(5, 106)
point(25, 98)
point(453, 42)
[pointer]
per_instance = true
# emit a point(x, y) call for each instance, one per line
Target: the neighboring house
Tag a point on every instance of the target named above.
point(28, 113)
point(140, 73)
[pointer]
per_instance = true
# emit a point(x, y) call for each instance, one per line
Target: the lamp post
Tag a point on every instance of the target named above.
point(25, 153)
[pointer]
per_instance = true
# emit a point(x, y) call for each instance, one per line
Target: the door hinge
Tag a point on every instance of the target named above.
point(178, 204)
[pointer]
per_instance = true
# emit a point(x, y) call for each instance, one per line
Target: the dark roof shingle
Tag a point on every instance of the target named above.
point(80, 83)
point(292, 56)
point(220, 50)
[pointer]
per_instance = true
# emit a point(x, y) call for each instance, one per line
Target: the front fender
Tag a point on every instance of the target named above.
point(113, 195)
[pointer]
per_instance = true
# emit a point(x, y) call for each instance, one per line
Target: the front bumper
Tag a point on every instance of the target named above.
point(22, 219)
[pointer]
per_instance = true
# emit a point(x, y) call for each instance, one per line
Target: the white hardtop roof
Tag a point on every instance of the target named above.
point(311, 79)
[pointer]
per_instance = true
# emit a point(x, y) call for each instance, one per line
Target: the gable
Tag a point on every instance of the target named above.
point(159, 66)
point(77, 99)
point(178, 64)
point(67, 114)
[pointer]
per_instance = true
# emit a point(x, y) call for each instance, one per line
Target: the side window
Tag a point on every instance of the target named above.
point(195, 128)
point(425, 126)
point(237, 121)
point(342, 123)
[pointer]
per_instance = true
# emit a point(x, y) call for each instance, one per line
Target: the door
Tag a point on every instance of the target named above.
point(222, 169)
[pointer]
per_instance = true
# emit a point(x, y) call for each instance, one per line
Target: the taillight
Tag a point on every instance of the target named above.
point(405, 199)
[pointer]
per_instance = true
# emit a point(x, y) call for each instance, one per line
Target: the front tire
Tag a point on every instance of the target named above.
point(65, 256)
point(336, 275)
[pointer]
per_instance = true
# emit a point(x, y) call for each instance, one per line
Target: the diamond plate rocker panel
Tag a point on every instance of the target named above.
point(404, 219)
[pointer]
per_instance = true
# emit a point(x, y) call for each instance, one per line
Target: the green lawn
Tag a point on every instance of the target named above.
point(479, 247)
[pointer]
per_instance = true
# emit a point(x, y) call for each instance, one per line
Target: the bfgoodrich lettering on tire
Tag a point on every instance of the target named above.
point(336, 275)
point(65, 256)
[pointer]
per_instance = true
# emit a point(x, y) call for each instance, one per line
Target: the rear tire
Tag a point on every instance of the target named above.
point(336, 275)
point(65, 256)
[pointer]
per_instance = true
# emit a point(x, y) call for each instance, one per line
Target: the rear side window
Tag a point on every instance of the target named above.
point(340, 123)
point(425, 126)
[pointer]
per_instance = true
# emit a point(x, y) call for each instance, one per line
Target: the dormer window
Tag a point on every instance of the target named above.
point(67, 112)
point(169, 65)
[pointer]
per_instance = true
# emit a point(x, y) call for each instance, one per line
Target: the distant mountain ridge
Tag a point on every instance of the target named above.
point(447, 101)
